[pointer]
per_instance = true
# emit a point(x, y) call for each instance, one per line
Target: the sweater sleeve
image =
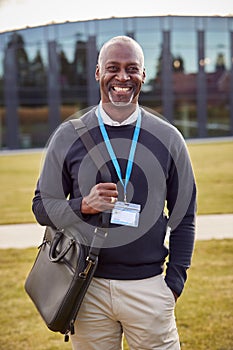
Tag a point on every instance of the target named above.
point(181, 203)
point(52, 204)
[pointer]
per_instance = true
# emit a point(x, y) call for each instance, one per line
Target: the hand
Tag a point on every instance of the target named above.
point(101, 197)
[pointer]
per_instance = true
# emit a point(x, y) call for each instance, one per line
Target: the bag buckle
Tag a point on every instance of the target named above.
point(87, 268)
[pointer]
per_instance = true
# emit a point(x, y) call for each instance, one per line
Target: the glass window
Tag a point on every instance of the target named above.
point(2, 49)
point(31, 38)
point(184, 46)
point(165, 22)
point(217, 51)
point(72, 30)
point(151, 41)
point(183, 23)
point(2, 107)
point(1, 64)
point(129, 24)
point(74, 46)
point(73, 62)
point(51, 32)
point(31, 65)
point(184, 68)
point(230, 23)
point(151, 45)
point(31, 57)
point(147, 24)
point(109, 28)
point(216, 24)
point(69, 34)
point(28, 43)
point(218, 63)
point(66, 48)
point(92, 27)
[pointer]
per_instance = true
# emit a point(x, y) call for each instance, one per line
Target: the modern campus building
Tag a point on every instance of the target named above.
point(47, 74)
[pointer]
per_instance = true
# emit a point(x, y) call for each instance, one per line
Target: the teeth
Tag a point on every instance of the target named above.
point(121, 89)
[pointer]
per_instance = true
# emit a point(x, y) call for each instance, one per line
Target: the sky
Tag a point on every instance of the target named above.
point(17, 14)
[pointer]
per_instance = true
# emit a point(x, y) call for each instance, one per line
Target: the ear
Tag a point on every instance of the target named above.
point(97, 73)
point(144, 75)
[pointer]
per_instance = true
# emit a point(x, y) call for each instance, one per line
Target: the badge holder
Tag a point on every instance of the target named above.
point(126, 214)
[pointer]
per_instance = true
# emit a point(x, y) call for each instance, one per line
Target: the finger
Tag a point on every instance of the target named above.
point(106, 186)
point(111, 194)
point(106, 192)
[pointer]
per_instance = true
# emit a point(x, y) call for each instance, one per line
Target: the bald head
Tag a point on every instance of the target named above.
point(120, 72)
point(121, 40)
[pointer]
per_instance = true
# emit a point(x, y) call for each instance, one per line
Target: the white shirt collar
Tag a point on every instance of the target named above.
point(107, 120)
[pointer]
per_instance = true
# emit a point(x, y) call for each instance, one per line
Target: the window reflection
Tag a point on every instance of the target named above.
point(218, 82)
point(73, 71)
point(184, 67)
point(174, 74)
point(151, 44)
point(31, 72)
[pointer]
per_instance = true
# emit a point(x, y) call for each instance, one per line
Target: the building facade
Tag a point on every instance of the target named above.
point(47, 74)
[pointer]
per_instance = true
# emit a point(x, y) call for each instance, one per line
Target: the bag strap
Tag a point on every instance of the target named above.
point(92, 148)
point(101, 231)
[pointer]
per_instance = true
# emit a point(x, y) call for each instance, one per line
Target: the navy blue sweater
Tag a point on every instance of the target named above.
point(161, 174)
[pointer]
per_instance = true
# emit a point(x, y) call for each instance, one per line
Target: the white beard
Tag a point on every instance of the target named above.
point(120, 104)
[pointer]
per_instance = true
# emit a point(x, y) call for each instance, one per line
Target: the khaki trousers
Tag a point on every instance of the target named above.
point(142, 310)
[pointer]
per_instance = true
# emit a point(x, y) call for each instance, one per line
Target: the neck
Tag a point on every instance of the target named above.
point(119, 113)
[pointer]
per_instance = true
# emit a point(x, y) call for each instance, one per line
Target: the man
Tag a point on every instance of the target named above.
point(149, 167)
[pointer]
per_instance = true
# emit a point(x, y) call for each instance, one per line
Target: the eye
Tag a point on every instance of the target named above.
point(112, 68)
point(133, 69)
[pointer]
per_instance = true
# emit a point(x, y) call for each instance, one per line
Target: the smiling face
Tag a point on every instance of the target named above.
point(120, 73)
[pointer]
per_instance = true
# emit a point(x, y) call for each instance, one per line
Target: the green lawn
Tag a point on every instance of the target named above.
point(213, 167)
point(204, 311)
point(19, 173)
point(212, 163)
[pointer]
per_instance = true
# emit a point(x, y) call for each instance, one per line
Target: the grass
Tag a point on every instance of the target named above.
point(213, 167)
point(212, 163)
point(204, 311)
point(23, 328)
point(19, 173)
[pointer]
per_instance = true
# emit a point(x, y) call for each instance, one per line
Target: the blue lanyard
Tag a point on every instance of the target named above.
point(112, 153)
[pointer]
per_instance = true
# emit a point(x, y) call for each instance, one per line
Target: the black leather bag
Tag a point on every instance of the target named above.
point(64, 267)
point(59, 279)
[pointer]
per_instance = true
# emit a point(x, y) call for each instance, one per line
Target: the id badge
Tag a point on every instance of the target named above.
point(125, 214)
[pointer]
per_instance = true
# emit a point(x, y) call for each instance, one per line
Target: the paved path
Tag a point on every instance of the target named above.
point(30, 235)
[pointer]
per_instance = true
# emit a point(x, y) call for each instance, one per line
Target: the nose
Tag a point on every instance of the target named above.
point(122, 75)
